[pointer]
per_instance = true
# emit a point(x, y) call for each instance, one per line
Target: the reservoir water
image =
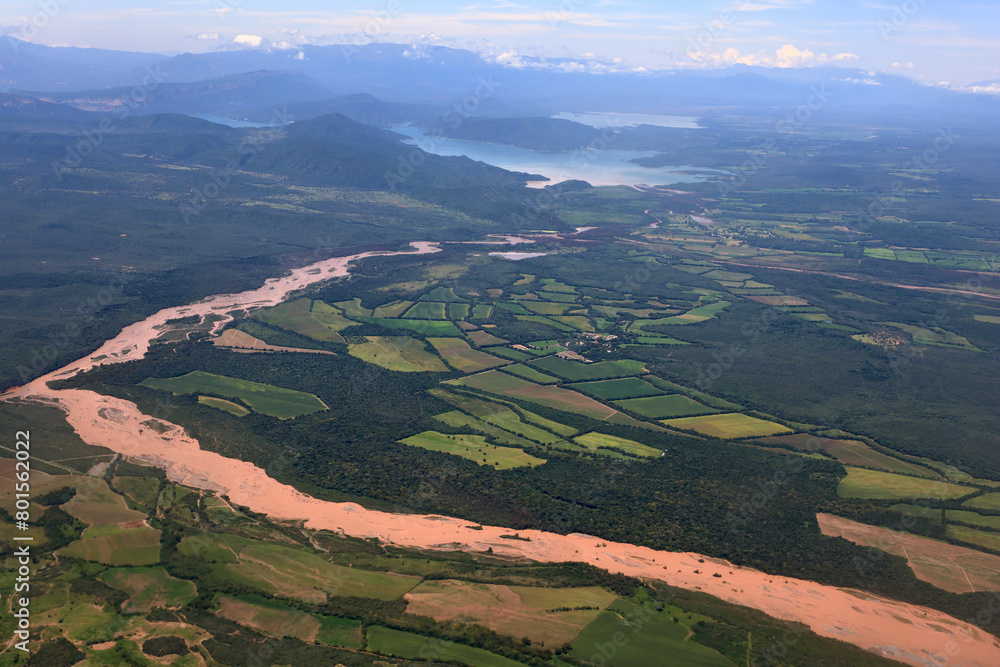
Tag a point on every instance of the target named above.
point(597, 167)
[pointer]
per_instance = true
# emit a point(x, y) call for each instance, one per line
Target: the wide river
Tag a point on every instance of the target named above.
point(915, 635)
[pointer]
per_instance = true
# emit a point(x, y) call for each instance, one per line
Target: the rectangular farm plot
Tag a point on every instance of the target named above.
point(394, 309)
point(408, 645)
point(398, 353)
point(483, 338)
point(425, 327)
point(546, 307)
point(663, 407)
point(610, 390)
point(988, 501)
point(577, 370)
point(315, 320)
point(426, 310)
point(278, 620)
point(463, 358)
point(850, 452)
point(552, 397)
point(529, 373)
point(874, 484)
point(481, 312)
point(263, 398)
point(474, 448)
point(728, 425)
point(517, 611)
point(495, 419)
point(458, 311)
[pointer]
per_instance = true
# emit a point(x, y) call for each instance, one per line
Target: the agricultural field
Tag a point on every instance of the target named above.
point(662, 407)
point(850, 452)
point(425, 327)
point(403, 644)
point(518, 611)
point(426, 310)
point(545, 307)
point(501, 416)
point(933, 336)
point(987, 501)
point(305, 575)
point(609, 390)
point(652, 638)
point(133, 546)
point(947, 566)
point(263, 398)
point(398, 353)
point(457, 353)
point(728, 425)
point(315, 320)
point(873, 484)
point(392, 309)
point(553, 397)
point(474, 448)
point(973, 518)
point(458, 311)
point(576, 371)
point(278, 620)
point(530, 374)
point(483, 338)
point(224, 405)
point(598, 441)
point(481, 312)
point(981, 538)
point(149, 587)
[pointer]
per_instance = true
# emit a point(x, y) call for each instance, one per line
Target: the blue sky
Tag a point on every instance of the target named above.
point(933, 41)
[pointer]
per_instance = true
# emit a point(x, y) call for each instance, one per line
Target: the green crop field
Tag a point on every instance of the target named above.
point(987, 501)
point(482, 338)
point(728, 425)
point(135, 546)
point(508, 353)
point(466, 422)
point(393, 309)
point(457, 353)
point(652, 639)
point(662, 407)
point(278, 620)
point(223, 404)
point(577, 370)
point(498, 415)
point(398, 353)
point(149, 587)
point(595, 441)
point(850, 452)
point(411, 646)
point(352, 308)
point(549, 396)
point(425, 327)
point(474, 448)
point(617, 389)
point(873, 484)
point(482, 312)
point(529, 373)
point(700, 396)
point(441, 293)
point(545, 307)
point(458, 311)
point(313, 319)
point(263, 398)
point(426, 310)
point(983, 538)
point(972, 518)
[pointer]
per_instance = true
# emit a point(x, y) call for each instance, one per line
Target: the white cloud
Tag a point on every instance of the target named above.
point(208, 35)
point(252, 41)
point(787, 55)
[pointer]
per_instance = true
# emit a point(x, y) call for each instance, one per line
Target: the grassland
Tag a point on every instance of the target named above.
point(598, 441)
point(398, 353)
point(392, 309)
point(316, 320)
point(457, 353)
point(653, 638)
point(987, 501)
point(474, 448)
point(972, 518)
point(553, 397)
point(481, 312)
point(545, 307)
point(530, 374)
point(576, 371)
point(263, 398)
point(662, 407)
point(224, 405)
point(500, 416)
point(425, 327)
point(427, 310)
point(983, 538)
point(609, 390)
point(305, 575)
point(483, 338)
point(149, 587)
point(851, 452)
point(136, 546)
point(517, 611)
point(728, 425)
point(873, 484)
point(412, 646)
point(278, 620)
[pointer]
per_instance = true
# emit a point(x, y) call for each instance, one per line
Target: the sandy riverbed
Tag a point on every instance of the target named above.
point(915, 635)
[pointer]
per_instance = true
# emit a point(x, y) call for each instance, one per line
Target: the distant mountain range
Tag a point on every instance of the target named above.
point(434, 80)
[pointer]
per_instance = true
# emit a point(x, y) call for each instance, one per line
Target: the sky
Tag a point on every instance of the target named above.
point(952, 42)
